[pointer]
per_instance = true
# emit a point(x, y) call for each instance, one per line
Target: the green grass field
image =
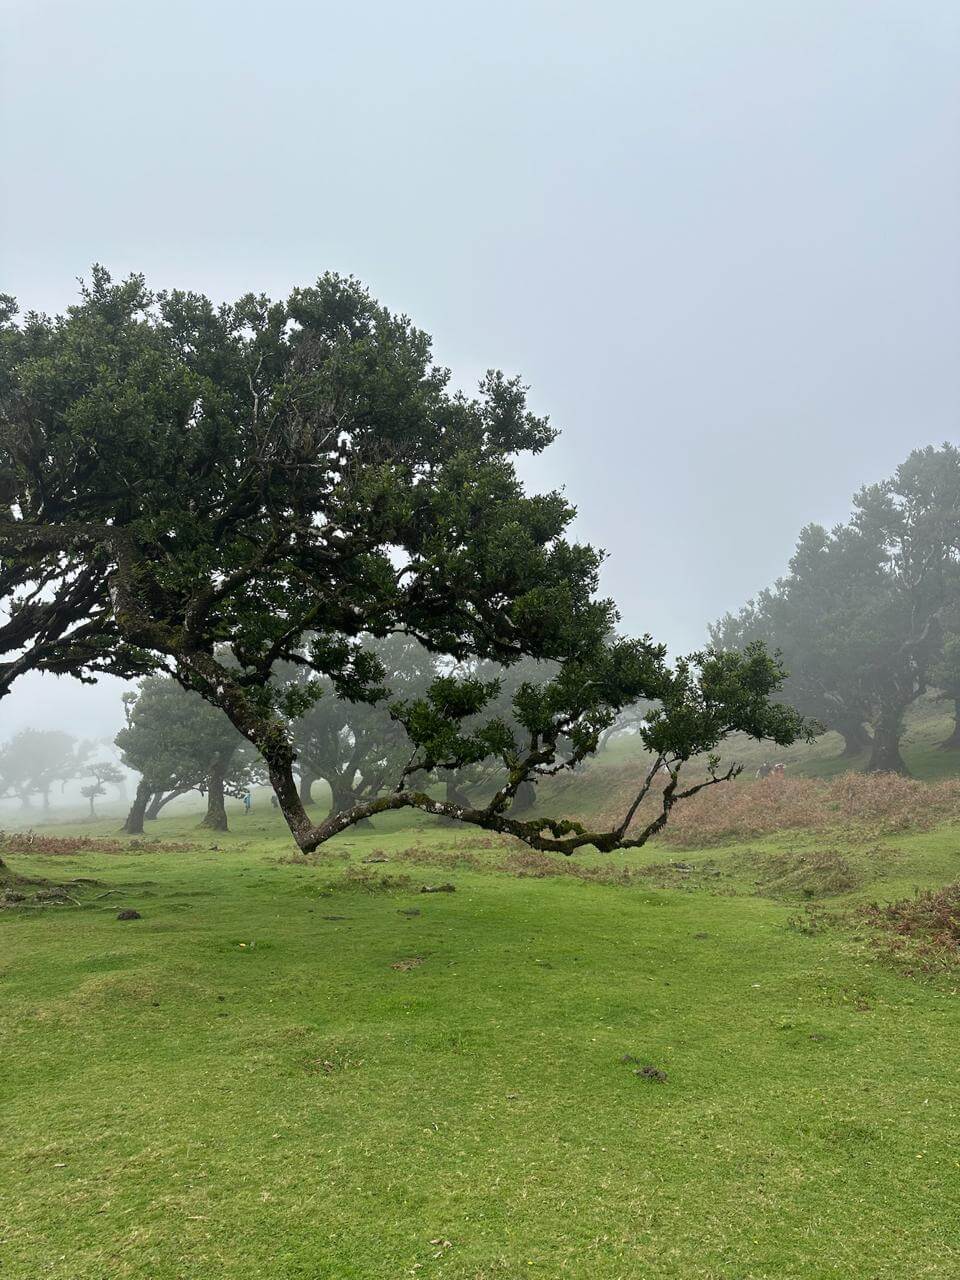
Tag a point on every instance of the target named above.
point(928, 723)
point(288, 1070)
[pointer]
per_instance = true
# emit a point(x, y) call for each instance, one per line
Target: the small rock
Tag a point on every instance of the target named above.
point(438, 888)
point(376, 857)
point(129, 914)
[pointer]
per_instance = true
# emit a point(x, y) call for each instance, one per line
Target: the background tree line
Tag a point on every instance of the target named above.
point(179, 743)
point(36, 761)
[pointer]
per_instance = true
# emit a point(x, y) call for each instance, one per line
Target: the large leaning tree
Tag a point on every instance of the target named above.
point(273, 480)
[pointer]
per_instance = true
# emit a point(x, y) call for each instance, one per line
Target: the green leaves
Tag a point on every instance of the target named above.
point(219, 491)
point(435, 723)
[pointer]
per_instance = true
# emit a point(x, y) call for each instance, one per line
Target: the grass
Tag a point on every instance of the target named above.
point(309, 1070)
point(928, 723)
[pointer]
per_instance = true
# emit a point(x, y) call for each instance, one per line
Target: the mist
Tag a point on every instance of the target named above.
point(718, 241)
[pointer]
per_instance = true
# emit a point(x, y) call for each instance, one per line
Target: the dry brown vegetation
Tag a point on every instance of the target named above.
point(40, 843)
point(923, 931)
point(864, 806)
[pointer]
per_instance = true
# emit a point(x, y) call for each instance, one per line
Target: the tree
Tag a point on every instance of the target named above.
point(235, 479)
point(811, 616)
point(915, 517)
point(23, 764)
point(34, 760)
point(489, 773)
point(99, 772)
point(357, 747)
point(178, 742)
point(861, 614)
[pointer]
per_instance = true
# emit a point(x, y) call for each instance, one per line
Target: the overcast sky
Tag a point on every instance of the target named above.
point(720, 240)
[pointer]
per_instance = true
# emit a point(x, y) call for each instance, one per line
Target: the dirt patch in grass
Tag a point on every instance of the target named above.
point(18, 891)
point(330, 1062)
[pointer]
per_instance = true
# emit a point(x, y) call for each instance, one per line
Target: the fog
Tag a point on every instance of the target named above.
point(718, 239)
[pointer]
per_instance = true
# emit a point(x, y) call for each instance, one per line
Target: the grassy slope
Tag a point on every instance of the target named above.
point(929, 722)
point(167, 1112)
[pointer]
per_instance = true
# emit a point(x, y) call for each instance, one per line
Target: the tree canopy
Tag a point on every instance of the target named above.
point(862, 614)
point(273, 480)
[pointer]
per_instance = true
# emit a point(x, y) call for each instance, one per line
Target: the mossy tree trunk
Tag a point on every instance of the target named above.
point(307, 779)
point(134, 823)
point(856, 739)
point(215, 818)
point(885, 754)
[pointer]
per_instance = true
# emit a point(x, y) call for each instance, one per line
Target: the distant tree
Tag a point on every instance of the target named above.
point(860, 617)
point(486, 775)
point(628, 723)
point(35, 760)
point(354, 746)
point(812, 617)
point(99, 772)
point(190, 481)
point(178, 742)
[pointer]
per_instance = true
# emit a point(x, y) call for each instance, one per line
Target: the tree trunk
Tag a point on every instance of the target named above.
point(134, 823)
point(162, 798)
point(953, 742)
point(856, 739)
point(455, 795)
point(342, 795)
point(885, 755)
point(524, 800)
point(216, 815)
point(307, 779)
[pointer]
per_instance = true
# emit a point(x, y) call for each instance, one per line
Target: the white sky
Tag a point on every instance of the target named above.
point(719, 239)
